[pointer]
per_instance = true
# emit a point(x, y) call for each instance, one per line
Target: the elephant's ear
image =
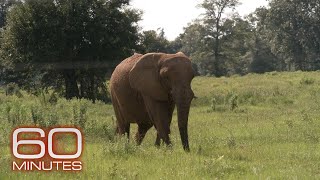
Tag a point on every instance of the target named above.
point(145, 76)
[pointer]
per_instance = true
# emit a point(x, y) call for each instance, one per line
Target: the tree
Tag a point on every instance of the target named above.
point(213, 21)
point(294, 31)
point(236, 45)
point(4, 7)
point(71, 41)
point(195, 44)
point(263, 59)
point(153, 41)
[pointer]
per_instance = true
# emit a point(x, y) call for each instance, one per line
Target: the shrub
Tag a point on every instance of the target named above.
point(80, 112)
point(13, 89)
point(16, 113)
point(37, 116)
point(307, 81)
point(53, 99)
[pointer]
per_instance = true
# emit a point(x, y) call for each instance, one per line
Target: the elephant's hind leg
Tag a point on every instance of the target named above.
point(142, 130)
point(123, 127)
point(157, 143)
point(160, 116)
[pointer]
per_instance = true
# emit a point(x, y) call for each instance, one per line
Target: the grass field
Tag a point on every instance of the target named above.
point(252, 127)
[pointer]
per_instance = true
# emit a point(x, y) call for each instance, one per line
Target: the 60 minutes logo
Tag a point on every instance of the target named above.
point(42, 154)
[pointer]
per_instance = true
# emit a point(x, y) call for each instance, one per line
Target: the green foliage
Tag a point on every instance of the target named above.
point(284, 36)
point(233, 101)
point(16, 112)
point(292, 27)
point(37, 115)
point(4, 7)
point(237, 45)
point(53, 99)
point(13, 89)
point(219, 46)
point(79, 110)
point(307, 81)
point(71, 44)
point(195, 44)
point(109, 130)
point(216, 28)
point(153, 41)
point(121, 147)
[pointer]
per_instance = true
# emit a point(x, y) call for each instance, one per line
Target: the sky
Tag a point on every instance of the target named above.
point(173, 15)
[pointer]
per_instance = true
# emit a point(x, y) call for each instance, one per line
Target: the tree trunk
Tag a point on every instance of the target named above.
point(71, 84)
point(217, 63)
point(82, 88)
point(93, 88)
point(299, 57)
point(217, 58)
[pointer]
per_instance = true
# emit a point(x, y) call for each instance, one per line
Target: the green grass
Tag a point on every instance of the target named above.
point(252, 127)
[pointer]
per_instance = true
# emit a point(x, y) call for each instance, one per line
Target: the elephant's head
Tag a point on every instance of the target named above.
point(164, 77)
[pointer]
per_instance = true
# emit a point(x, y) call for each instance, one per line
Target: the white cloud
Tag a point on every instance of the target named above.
point(173, 15)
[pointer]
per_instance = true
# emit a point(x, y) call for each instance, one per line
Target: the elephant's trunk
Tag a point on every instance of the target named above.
point(183, 113)
point(183, 101)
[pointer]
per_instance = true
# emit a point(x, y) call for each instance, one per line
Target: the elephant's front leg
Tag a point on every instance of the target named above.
point(159, 115)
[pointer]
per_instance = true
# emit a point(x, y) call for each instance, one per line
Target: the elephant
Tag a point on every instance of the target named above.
point(145, 89)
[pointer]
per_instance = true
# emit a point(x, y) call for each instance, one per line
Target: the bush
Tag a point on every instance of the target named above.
point(307, 81)
point(80, 112)
point(37, 115)
point(13, 89)
point(16, 113)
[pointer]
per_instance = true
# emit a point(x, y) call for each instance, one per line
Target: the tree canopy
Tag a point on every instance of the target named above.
point(74, 41)
point(284, 36)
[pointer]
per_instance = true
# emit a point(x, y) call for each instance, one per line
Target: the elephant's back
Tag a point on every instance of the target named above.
point(121, 72)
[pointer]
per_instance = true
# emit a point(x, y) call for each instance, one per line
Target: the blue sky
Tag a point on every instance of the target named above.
point(173, 15)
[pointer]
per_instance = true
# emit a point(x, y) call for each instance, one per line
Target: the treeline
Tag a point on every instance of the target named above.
point(282, 37)
point(72, 46)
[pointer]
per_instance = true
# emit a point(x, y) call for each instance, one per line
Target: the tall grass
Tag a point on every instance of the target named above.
point(253, 127)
